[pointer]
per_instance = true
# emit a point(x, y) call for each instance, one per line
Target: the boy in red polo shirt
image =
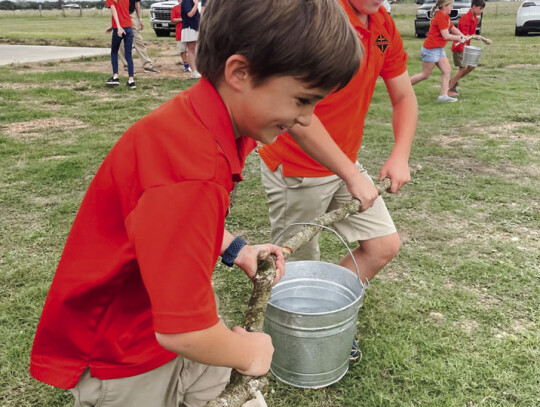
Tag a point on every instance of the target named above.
point(299, 189)
point(467, 25)
point(130, 318)
point(176, 18)
point(122, 29)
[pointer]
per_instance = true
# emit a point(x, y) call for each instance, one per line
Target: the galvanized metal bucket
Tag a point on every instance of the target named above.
point(311, 317)
point(471, 55)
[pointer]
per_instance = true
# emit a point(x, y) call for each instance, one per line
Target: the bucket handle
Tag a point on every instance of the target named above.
point(366, 285)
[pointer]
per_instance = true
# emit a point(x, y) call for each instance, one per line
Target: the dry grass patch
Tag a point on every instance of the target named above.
point(35, 129)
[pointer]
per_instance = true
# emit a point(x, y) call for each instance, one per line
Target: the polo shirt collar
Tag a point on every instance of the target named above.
point(210, 108)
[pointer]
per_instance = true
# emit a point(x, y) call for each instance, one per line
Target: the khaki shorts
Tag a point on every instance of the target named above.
point(296, 199)
point(179, 381)
point(458, 59)
point(182, 46)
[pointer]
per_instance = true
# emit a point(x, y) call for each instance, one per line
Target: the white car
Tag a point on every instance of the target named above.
point(528, 17)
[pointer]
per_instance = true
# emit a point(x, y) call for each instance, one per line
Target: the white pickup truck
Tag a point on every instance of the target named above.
point(160, 17)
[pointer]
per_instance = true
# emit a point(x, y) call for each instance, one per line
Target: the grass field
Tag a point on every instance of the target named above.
point(453, 321)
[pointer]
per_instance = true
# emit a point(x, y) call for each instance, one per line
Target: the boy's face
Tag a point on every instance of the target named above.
point(271, 108)
point(476, 10)
point(365, 6)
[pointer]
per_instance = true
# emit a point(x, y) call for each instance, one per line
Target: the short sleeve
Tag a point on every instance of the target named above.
point(395, 62)
point(177, 231)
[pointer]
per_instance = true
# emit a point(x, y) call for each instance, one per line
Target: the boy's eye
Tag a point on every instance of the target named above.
point(303, 101)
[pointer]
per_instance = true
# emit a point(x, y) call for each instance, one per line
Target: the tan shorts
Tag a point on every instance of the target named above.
point(295, 199)
point(182, 46)
point(458, 59)
point(179, 381)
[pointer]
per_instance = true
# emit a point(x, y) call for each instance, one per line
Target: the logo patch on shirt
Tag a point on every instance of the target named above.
point(382, 43)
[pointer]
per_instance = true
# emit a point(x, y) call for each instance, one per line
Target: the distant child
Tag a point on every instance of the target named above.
point(190, 31)
point(176, 18)
point(131, 318)
point(467, 25)
point(122, 29)
point(440, 32)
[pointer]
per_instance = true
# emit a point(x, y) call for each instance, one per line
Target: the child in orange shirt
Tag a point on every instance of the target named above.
point(440, 32)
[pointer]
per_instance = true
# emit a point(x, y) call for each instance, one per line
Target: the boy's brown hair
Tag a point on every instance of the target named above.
point(310, 40)
point(478, 3)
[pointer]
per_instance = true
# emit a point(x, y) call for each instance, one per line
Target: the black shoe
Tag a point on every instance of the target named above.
point(356, 353)
point(113, 81)
point(131, 85)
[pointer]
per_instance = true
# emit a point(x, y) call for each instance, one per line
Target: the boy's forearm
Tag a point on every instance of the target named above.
point(227, 240)
point(405, 114)
point(215, 346)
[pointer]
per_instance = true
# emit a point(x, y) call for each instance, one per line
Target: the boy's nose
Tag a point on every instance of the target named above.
point(305, 118)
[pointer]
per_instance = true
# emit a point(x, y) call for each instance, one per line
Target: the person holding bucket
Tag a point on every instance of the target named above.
point(467, 25)
point(300, 189)
point(131, 318)
point(440, 32)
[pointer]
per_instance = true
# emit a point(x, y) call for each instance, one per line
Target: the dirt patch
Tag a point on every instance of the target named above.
point(436, 317)
point(468, 325)
point(35, 129)
point(528, 66)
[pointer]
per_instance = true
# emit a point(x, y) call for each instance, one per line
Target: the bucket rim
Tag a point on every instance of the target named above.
point(358, 297)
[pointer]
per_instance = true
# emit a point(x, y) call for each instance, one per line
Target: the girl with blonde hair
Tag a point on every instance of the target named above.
point(440, 32)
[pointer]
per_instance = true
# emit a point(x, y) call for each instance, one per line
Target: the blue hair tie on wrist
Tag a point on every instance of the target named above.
point(231, 253)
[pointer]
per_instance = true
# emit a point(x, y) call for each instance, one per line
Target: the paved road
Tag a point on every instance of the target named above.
point(16, 54)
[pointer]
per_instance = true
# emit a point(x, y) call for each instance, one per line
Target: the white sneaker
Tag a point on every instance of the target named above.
point(195, 75)
point(446, 98)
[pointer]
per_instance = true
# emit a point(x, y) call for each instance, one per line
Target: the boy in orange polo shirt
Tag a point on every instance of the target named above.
point(467, 25)
point(299, 189)
point(130, 318)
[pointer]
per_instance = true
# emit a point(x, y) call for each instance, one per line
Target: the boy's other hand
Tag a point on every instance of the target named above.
point(121, 32)
point(398, 172)
point(262, 350)
point(363, 190)
point(108, 30)
point(247, 259)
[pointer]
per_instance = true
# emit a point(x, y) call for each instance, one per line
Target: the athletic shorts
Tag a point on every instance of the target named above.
point(432, 55)
point(297, 199)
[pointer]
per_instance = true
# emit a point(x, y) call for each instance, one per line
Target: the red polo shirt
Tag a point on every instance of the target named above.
point(440, 22)
point(176, 12)
point(467, 25)
point(342, 113)
point(143, 246)
point(122, 9)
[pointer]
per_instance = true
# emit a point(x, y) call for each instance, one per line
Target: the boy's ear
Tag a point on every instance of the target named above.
point(237, 72)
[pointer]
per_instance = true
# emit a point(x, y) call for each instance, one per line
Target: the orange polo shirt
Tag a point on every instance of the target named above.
point(143, 246)
point(440, 22)
point(343, 113)
point(122, 9)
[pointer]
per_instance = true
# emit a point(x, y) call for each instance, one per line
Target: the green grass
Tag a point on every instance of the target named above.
point(453, 321)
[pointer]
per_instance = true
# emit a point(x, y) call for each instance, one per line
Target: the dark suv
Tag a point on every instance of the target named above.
point(423, 15)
